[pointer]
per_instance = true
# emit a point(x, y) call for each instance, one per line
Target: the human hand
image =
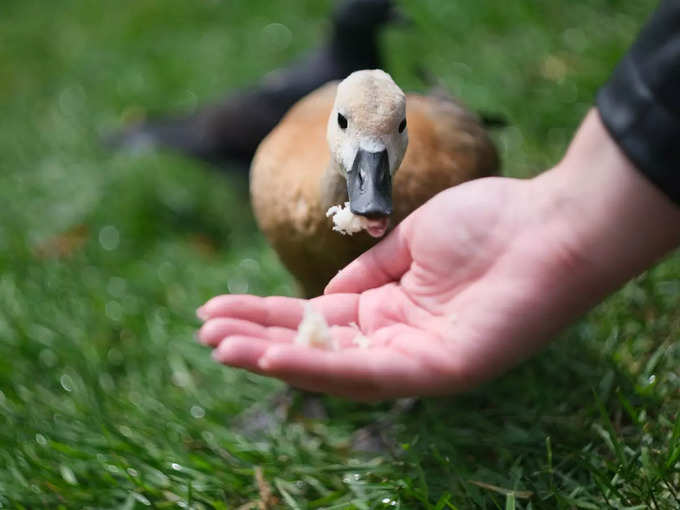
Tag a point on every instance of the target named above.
point(450, 298)
point(467, 286)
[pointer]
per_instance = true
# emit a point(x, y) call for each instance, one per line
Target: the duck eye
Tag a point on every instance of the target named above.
point(402, 126)
point(342, 121)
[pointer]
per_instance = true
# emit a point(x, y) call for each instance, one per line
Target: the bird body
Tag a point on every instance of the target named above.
point(293, 181)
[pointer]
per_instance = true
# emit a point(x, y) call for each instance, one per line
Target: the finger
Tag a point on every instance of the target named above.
point(352, 391)
point(244, 351)
point(241, 352)
point(375, 371)
point(280, 311)
point(215, 330)
point(386, 262)
point(267, 311)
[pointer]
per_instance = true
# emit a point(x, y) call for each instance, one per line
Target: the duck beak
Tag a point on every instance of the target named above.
point(369, 184)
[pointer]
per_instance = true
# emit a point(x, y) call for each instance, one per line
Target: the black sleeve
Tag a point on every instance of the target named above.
point(640, 105)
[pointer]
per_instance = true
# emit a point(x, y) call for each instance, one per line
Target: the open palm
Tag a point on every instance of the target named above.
point(456, 294)
point(468, 285)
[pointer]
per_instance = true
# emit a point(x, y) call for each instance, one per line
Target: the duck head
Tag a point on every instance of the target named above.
point(367, 137)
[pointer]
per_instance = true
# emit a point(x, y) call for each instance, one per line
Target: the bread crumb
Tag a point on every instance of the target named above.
point(344, 220)
point(313, 330)
point(361, 341)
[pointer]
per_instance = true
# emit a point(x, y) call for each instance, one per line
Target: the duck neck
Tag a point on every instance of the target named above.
point(358, 48)
point(333, 187)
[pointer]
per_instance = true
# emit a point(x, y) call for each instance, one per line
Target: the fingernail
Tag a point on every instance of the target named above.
point(199, 337)
point(264, 363)
point(202, 313)
point(222, 353)
point(329, 285)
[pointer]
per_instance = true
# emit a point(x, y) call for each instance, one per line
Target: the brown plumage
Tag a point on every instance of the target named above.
point(447, 146)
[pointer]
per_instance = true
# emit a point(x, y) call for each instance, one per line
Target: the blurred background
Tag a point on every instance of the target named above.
point(105, 398)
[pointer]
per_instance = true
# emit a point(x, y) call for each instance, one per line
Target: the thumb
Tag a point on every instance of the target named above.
point(386, 262)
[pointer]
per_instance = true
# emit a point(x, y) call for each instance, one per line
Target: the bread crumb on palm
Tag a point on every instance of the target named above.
point(313, 330)
point(361, 341)
point(344, 220)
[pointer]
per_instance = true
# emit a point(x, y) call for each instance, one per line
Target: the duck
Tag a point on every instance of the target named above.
point(227, 134)
point(347, 142)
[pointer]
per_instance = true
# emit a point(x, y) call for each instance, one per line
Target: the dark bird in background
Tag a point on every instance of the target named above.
point(229, 132)
point(490, 120)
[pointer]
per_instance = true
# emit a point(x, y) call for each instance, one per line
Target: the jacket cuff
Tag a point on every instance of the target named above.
point(647, 132)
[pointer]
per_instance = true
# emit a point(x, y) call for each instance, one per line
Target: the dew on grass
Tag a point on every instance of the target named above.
point(238, 284)
point(181, 378)
point(106, 382)
point(351, 478)
point(48, 358)
point(66, 382)
point(251, 266)
point(136, 399)
point(277, 36)
point(68, 475)
point(575, 38)
point(116, 286)
point(142, 498)
point(109, 237)
point(71, 100)
point(114, 311)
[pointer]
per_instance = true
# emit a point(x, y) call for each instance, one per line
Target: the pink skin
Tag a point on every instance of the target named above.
point(470, 284)
point(376, 227)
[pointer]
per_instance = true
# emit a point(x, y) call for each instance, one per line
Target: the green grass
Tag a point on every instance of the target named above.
point(105, 399)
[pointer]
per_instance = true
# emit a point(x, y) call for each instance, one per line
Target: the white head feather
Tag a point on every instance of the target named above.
point(374, 107)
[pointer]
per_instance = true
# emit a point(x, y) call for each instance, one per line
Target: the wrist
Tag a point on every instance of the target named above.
point(612, 221)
